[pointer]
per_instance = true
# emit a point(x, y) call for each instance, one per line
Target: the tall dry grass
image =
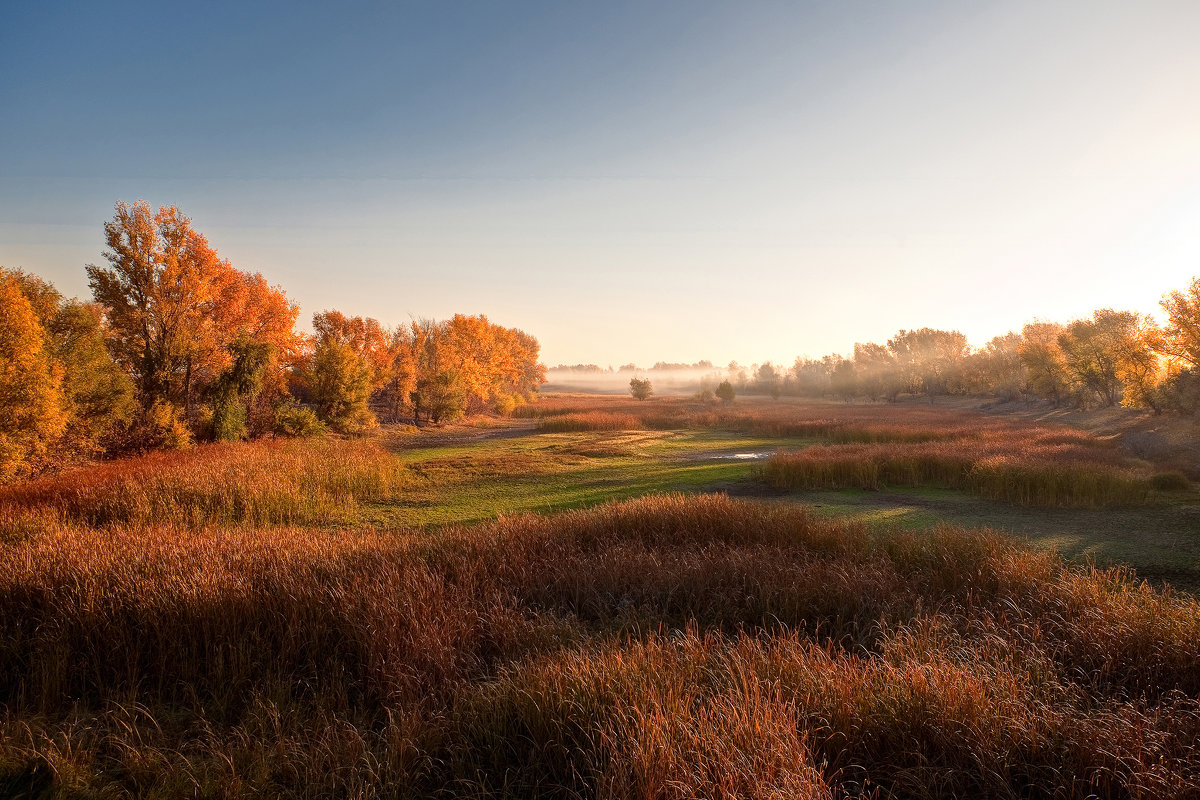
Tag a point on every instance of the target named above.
point(257, 483)
point(666, 647)
point(835, 423)
point(1037, 468)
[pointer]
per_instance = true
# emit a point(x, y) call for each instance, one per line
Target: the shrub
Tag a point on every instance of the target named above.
point(640, 388)
point(1172, 481)
point(296, 421)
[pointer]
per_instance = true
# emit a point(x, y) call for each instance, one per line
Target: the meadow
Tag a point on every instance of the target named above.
point(561, 605)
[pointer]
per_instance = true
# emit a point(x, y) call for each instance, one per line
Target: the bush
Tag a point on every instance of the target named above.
point(295, 420)
point(1170, 481)
point(640, 388)
point(725, 391)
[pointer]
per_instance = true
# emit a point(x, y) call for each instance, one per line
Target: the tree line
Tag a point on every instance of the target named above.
point(179, 346)
point(1110, 358)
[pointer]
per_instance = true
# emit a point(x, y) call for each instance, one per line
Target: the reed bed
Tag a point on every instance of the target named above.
point(590, 421)
point(258, 483)
point(672, 646)
point(1041, 468)
point(828, 422)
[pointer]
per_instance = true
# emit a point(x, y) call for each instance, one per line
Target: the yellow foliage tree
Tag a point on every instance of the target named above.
point(1181, 336)
point(31, 404)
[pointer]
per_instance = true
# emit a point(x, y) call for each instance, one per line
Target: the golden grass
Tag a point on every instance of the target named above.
point(590, 421)
point(672, 646)
point(259, 483)
point(1039, 467)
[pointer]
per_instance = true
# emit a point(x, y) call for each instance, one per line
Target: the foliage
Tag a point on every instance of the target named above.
point(1182, 332)
point(173, 306)
point(724, 392)
point(31, 400)
point(340, 381)
point(296, 421)
point(640, 388)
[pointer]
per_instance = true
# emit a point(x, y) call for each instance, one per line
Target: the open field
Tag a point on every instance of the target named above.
point(383, 618)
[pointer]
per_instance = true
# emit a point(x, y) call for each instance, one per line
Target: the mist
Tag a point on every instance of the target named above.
point(673, 381)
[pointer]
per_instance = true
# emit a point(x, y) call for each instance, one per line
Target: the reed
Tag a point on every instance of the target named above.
point(673, 646)
point(258, 483)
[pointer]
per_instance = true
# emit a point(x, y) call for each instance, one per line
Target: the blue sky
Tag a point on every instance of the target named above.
point(627, 181)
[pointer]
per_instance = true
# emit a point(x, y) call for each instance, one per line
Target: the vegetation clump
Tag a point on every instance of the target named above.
point(640, 388)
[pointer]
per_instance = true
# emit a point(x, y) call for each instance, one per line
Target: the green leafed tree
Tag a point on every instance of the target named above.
point(725, 392)
point(340, 382)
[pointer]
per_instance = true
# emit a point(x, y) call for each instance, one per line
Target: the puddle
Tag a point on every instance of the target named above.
point(751, 456)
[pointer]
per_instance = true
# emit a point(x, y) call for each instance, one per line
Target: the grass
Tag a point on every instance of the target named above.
point(287, 482)
point(380, 618)
point(673, 646)
point(556, 471)
point(1024, 471)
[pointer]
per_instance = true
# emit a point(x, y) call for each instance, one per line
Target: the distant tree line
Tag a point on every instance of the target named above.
point(1112, 358)
point(179, 346)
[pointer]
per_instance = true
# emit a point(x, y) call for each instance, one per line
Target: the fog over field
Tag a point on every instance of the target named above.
point(665, 381)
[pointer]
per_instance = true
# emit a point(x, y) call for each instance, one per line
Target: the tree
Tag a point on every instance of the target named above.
point(768, 380)
point(173, 306)
point(340, 381)
point(1111, 356)
point(725, 392)
point(843, 380)
point(930, 361)
point(640, 388)
point(878, 375)
point(31, 403)
point(238, 386)
point(997, 369)
point(97, 395)
point(1181, 336)
point(1181, 343)
point(1044, 360)
point(441, 396)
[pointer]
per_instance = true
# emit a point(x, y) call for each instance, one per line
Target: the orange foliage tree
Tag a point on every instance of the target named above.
point(173, 308)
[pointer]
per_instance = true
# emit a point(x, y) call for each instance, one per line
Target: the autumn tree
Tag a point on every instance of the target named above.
point(1181, 335)
point(364, 335)
point(31, 402)
point(725, 392)
point(878, 374)
point(997, 368)
point(173, 307)
point(1044, 360)
point(843, 379)
point(640, 388)
point(930, 361)
point(97, 395)
point(1111, 355)
point(1181, 344)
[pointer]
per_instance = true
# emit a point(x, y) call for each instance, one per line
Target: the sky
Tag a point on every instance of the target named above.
point(627, 181)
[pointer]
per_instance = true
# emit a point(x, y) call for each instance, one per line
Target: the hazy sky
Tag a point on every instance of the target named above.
point(627, 181)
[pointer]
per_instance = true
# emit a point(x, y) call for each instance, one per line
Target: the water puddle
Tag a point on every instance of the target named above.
point(751, 456)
